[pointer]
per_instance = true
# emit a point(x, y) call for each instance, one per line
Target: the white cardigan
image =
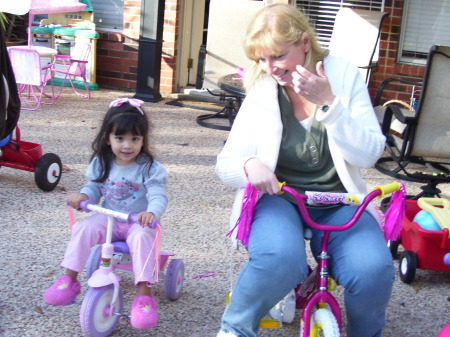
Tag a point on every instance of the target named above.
point(354, 135)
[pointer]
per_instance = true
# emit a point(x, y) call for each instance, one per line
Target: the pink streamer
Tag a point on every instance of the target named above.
point(244, 222)
point(71, 217)
point(391, 221)
point(156, 249)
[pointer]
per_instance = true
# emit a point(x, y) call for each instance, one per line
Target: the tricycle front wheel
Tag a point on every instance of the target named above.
point(323, 323)
point(48, 172)
point(98, 317)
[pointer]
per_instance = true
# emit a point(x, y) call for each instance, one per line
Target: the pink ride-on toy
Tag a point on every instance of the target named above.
point(321, 315)
point(102, 305)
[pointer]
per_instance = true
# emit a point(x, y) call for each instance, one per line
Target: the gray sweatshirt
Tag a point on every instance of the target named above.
point(131, 188)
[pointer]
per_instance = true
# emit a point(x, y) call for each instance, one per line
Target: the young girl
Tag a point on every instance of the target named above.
point(122, 171)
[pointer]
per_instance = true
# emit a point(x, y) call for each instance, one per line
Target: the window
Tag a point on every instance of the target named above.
point(322, 13)
point(108, 14)
point(38, 17)
point(425, 23)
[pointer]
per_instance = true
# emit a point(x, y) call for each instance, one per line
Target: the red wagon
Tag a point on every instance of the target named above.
point(423, 249)
point(18, 154)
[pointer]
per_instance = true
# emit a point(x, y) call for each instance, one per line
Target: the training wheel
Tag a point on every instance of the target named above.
point(284, 311)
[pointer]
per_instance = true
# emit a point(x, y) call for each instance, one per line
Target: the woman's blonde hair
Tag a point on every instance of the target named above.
point(275, 25)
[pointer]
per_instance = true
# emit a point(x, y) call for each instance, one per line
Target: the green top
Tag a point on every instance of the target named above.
point(304, 161)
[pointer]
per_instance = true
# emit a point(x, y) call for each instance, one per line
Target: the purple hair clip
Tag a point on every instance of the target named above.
point(136, 103)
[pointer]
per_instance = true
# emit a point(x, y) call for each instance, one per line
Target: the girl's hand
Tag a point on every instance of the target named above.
point(145, 218)
point(74, 199)
point(315, 88)
point(261, 177)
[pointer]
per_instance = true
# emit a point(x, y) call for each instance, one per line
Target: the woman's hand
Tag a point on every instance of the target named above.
point(261, 177)
point(73, 200)
point(315, 88)
point(145, 218)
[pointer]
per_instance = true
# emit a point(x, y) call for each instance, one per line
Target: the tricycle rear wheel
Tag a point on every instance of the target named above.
point(173, 280)
point(94, 260)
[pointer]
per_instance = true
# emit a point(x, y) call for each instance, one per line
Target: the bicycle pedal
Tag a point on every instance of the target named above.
point(269, 324)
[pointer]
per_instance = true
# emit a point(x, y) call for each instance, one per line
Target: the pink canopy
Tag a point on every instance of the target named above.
point(55, 6)
point(40, 7)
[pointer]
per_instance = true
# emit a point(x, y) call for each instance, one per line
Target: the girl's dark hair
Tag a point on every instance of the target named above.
point(121, 120)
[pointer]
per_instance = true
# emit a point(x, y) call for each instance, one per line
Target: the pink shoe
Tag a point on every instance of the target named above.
point(63, 291)
point(144, 314)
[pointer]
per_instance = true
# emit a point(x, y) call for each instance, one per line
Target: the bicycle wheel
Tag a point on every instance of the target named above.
point(97, 317)
point(323, 324)
point(173, 281)
point(94, 260)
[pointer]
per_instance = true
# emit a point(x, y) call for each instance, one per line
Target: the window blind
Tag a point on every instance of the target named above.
point(108, 14)
point(322, 13)
point(425, 23)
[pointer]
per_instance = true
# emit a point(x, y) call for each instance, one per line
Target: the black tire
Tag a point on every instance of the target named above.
point(393, 247)
point(407, 266)
point(48, 172)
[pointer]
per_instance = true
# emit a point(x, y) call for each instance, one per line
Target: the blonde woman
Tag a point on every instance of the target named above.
point(307, 119)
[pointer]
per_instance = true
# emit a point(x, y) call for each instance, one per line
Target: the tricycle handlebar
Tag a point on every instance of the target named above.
point(301, 199)
point(131, 218)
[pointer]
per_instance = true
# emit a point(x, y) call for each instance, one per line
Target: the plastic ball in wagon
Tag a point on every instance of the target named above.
point(425, 220)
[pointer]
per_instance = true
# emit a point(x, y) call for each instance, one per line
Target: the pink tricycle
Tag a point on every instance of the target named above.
point(102, 305)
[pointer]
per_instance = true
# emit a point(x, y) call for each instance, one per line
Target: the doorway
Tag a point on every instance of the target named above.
point(193, 34)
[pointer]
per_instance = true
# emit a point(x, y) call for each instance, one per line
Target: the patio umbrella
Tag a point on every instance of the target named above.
point(40, 7)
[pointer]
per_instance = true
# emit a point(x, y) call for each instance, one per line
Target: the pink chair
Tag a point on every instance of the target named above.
point(74, 66)
point(31, 78)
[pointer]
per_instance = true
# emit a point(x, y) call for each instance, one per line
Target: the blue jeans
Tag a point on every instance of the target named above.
point(360, 261)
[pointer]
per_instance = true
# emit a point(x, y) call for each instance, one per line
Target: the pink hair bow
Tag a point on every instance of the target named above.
point(134, 102)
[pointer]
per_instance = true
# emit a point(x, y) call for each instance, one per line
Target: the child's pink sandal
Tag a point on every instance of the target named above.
point(144, 314)
point(63, 291)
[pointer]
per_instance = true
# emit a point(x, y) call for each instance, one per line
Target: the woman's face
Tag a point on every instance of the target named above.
point(280, 65)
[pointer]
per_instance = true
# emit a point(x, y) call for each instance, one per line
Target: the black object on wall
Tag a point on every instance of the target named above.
point(150, 50)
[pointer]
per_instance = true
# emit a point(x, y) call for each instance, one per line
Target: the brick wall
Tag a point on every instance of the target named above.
point(117, 53)
point(387, 64)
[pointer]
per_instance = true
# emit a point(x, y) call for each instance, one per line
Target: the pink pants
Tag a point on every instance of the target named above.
point(92, 231)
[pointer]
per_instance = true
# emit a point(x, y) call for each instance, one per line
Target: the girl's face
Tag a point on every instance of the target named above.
point(282, 64)
point(126, 148)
